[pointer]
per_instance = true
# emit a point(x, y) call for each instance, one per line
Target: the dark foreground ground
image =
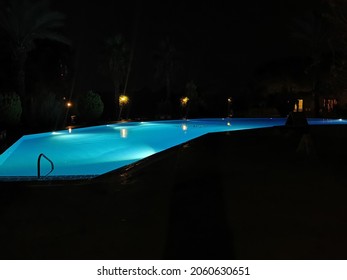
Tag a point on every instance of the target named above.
point(274, 193)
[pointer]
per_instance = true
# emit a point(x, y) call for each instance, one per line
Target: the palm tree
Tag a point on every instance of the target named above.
point(24, 23)
point(323, 32)
point(336, 17)
point(165, 59)
point(312, 32)
point(196, 99)
point(117, 55)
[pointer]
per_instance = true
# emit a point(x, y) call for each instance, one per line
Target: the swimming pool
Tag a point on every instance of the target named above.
point(92, 151)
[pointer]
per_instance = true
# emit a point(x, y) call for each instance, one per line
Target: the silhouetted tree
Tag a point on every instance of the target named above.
point(165, 60)
point(116, 59)
point(24, 22)
point(336, 17)
point(196, 100)
point(312, 32)
point(278, 83)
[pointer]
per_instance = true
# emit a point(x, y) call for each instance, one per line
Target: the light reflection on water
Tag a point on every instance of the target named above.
point(100, 149)
point(123, 133)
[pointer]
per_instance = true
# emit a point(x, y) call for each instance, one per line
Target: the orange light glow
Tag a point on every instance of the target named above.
point(184, 101)
point(123, 100)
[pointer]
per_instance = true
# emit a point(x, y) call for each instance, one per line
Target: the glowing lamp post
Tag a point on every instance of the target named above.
point(184, 101)
point(230, 111)
point(184, 105)
point(123, 101)
point(68, 106)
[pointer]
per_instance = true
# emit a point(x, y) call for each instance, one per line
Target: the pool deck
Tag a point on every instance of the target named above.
point(273, 193)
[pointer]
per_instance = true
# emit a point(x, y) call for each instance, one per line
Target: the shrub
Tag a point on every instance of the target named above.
point(10, 108)
point(48, 110)
point(90, 106)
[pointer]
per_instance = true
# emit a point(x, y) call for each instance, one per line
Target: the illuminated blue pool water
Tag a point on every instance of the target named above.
point(93, 151)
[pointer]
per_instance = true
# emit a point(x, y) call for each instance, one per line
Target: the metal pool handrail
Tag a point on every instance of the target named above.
point(39, 166)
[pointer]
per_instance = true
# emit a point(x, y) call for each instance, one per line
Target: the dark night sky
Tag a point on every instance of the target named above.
point(220, 41)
